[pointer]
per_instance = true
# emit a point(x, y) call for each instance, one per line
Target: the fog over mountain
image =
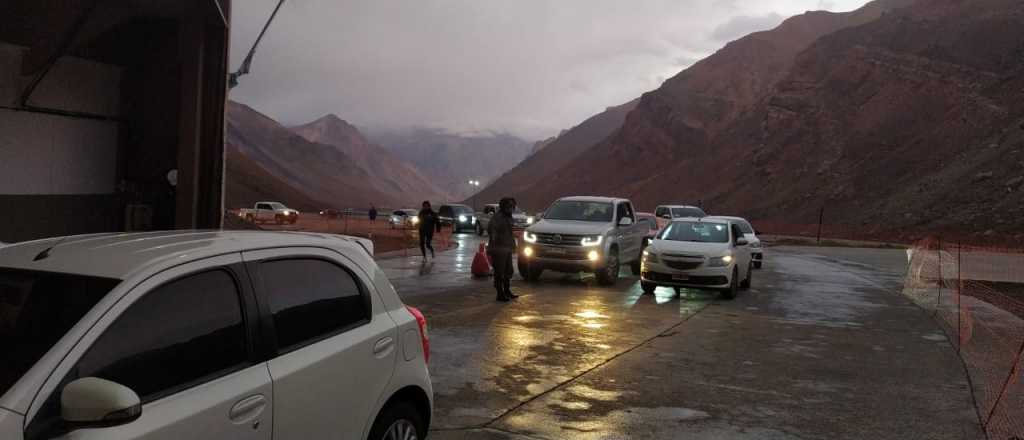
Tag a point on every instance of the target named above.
point(530, 68)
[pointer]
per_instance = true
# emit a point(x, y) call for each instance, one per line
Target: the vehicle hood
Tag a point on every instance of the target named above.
point(569, 227)
point(689, 247)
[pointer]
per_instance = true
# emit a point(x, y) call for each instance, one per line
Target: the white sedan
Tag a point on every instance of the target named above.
point(756, 252)
point(207, 335)
point(700, 253)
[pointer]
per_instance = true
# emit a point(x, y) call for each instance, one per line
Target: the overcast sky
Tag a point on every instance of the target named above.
point(529, 67)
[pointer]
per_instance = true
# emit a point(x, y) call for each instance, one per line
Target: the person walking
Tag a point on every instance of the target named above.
point(429, 222)
point(373, 214)
point(501, 247)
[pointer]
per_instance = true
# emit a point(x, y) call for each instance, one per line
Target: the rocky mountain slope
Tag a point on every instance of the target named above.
point(902, 114)
point(449, 159)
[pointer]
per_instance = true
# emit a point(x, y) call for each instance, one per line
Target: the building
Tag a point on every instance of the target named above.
point(102, 103)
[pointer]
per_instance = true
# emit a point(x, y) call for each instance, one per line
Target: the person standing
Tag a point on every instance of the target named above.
point(429, 222)
point(373, 214)
point(501, 247)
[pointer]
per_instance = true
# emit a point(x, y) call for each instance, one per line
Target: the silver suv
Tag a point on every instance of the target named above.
point(207, 335)
point(584, 234)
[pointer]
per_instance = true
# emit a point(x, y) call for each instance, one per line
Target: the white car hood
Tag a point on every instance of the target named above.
point(569, 227)
point(689, 247)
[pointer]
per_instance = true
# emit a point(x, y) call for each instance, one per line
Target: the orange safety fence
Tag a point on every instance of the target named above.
point(976, 294)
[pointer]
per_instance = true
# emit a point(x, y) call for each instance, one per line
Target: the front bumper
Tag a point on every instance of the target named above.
point(703, 276)
point(563, 258)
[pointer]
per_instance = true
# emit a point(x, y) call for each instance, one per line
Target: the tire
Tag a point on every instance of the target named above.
point(730, 292)
point(757, 264)
point(648, 288)
point(608, 275)
point(750, 277)
point(402, 417)
point(528, 271)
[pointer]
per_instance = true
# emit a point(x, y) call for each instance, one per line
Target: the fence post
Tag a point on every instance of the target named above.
point(821, 219)
point(959, 294)
point(942, 277)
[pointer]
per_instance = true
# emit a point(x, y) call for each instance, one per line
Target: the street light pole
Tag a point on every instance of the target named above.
point(472, 199)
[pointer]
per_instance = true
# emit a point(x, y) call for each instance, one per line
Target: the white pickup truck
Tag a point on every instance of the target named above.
point(269, 212)
point(584, 234)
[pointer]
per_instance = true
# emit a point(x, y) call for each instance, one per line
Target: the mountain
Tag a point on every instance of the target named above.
point(453, 159)
point(291, 169)
point(520, 181)
point(390, 174)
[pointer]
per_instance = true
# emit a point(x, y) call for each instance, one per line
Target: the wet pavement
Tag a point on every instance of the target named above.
point(823, 346)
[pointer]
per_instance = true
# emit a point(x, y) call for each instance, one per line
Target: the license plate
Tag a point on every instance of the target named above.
point(679, 277)
point(555, 251)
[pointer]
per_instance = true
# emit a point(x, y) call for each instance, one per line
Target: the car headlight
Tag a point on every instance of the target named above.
point(592, 241)
point(529, 237)
point(720, 261)
point(415, 220)
point(462, 219)
point(651, 257)
point(530, 220)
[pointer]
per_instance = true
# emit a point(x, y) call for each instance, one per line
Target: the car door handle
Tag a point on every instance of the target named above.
point(247, 409)
point(383, 347)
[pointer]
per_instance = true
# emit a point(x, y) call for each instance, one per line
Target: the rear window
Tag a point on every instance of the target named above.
point(36, 309)
point(687, 212)
point(702, 232)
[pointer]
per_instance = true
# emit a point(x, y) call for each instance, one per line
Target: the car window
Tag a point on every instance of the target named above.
point(263, 206)
point(445, 211)
point(623, 210)
point(36, 309)
point(737, 233)
point(175, 335)
point(745, 227)
point(311, 299)
point(660, 211)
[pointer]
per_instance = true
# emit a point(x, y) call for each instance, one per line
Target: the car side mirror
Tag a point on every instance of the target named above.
point(625, 221)
point(742, 242)
point(91, 402)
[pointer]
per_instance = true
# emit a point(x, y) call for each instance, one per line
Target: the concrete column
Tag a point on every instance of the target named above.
point(190, 47)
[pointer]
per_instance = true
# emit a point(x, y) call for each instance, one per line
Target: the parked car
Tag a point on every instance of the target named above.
point(583, 234)
point(698, 252)
point(269, 212)
point(207, 335)
point(651, 222)
point(521, 219)
point(458, 217)
point(404, 218)
point(756, 249)
point(665, 213)
point(330, 213)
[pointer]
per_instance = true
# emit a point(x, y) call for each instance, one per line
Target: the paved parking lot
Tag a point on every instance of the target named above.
point(822, 347)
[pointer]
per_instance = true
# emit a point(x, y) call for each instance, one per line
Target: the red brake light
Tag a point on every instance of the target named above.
point(421, 321)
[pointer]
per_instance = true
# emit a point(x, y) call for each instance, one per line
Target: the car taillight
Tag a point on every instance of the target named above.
point(424, 337)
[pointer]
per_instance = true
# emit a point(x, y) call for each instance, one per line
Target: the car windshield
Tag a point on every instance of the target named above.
point(580, 211)
point(703, 232)
point(36, 309)
point(462, 210)
point(276, 205)
point(687, 212)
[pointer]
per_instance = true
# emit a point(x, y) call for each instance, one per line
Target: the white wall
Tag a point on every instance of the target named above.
point(49, 154)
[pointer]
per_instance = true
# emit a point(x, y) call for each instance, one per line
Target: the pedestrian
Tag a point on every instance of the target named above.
point(501, 247)
point(373, 214)
point(429, 222)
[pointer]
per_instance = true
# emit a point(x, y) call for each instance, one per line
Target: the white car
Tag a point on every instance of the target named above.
point(404, 218)
point(207, 335)
point(665, 213)
point(756, 250)
point(700, 253)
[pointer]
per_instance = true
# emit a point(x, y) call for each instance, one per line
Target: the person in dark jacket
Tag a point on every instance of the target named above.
point(502, 247)
point(429, 222)
point(373, 213)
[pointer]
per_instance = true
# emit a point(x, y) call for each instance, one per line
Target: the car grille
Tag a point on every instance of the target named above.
point(683, 265)
point(559, 239)
point(562, 253)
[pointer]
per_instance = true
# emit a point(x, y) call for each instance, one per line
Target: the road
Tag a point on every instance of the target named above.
point(822, 347)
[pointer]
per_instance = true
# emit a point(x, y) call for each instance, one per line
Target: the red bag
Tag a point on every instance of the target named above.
point(481, 263)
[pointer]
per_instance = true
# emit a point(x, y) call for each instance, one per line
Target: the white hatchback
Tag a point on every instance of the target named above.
point(207, 335)
point(700, 253)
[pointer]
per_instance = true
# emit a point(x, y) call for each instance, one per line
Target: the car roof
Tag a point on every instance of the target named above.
point(119, 255)
point(592, 199)
point(700, 219)
point(727, 217)
point(680, 206)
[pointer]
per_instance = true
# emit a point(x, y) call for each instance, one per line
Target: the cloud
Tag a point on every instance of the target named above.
point(530, 67)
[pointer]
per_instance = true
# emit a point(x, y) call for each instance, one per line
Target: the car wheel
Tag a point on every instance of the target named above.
point(399, 422)
point(529, 272)
point(750, 276)
point(648, 287)
point(757, 264)
point(730, 292)
point(609, 274)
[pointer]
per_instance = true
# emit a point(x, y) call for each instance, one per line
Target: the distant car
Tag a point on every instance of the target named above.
point(651, 222)
point(207, 335)
point(404, 218)
point(459, 217)
point(520, 219)
point(270, 212)
point(665, 213)
point(705, 252)
point(330, 213)
point(756, 251)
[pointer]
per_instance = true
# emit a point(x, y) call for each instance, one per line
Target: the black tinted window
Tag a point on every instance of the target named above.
point(445, 211)
point(175, 335)
point(36, 309)
point(311, 299)
point(263, 206)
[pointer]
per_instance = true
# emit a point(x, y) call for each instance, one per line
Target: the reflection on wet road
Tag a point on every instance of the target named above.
point(821, 347)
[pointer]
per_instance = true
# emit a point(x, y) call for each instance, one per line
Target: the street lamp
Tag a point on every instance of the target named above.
point(475, 184)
